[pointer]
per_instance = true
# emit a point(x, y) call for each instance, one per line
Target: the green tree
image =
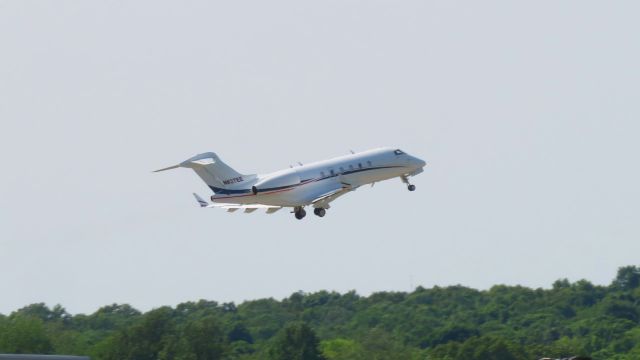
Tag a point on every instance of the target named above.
point(455, 322)
point(203, 339)
point(239, 332)
point(628, 278)
point(112, 317)
point(480, 348)
point(42, 312)
point(24, 335)
point(379, 344)
point(342, 349)
point(144, 340)
point(297, 341)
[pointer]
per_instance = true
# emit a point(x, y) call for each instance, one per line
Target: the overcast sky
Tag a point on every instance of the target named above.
point(527, 113)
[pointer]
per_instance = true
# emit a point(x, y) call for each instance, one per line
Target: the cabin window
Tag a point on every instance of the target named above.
point(341, 169)
point(332, 172)
point(350, 167)
point(360, 165)
point(322, 173)
point(369, 163)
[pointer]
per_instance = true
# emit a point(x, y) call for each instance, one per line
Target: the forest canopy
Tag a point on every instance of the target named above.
point(455, 322)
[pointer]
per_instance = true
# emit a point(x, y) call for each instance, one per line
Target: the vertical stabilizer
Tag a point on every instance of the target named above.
point(214, 172)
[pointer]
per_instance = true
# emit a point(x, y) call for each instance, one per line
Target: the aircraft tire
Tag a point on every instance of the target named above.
point(300, 214)
point(319, 212)
point(411, 187)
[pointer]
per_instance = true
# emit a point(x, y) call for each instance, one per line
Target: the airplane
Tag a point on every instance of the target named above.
point(316, 184)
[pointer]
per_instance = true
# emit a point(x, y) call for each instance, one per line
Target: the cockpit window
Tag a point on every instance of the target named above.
point(398, 152)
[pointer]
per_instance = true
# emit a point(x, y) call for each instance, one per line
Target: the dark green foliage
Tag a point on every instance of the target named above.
point(42, 312)
point(200, 339)
point(143, 340)
point(451, 333)
point(628, 278)
point(502, 323)
point(240, 333)
point(21, 334)
point(296, 341)
point(479, 348)
point(111, 317)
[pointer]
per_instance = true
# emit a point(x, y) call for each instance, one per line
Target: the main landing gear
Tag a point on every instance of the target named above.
point(299, 212)
point(405, 180)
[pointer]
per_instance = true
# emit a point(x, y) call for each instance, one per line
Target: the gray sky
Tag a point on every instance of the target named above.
point(527, 113)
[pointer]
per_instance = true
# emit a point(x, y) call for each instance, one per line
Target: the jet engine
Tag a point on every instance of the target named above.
point(276, 182)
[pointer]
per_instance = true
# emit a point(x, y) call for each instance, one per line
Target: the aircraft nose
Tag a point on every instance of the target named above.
point(417, 162)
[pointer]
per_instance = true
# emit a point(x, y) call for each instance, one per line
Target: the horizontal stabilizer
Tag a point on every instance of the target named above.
point(200, 200)
point(168, 168)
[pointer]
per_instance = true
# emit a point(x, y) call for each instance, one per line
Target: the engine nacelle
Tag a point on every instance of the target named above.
point(276, 182)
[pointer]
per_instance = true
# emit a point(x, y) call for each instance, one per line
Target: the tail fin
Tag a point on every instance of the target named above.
point(215, 173)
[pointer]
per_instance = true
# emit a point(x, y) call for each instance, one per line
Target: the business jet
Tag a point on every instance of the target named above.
point(316, 184)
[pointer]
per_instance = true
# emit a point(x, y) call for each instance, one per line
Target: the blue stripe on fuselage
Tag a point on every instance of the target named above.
point(222, 191)
point(218, 190)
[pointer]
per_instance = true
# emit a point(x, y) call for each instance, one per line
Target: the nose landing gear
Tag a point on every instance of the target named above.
point(405, 180)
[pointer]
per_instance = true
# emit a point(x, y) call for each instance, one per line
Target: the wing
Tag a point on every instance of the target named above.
point(323, 200)
point(234, 207)
point(247, 208)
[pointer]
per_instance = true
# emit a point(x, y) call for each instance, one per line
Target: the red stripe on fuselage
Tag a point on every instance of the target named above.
point(267, 193)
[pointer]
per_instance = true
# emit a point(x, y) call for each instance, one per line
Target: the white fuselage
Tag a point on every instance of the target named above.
point(299, 186)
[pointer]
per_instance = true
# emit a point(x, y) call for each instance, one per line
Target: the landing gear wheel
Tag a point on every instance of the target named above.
point(319, 212)
point(300, 214)
point(405, 180)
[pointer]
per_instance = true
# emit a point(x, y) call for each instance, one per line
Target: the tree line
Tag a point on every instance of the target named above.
point(440, 323)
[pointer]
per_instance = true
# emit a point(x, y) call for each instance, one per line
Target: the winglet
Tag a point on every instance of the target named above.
point(200, 200)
